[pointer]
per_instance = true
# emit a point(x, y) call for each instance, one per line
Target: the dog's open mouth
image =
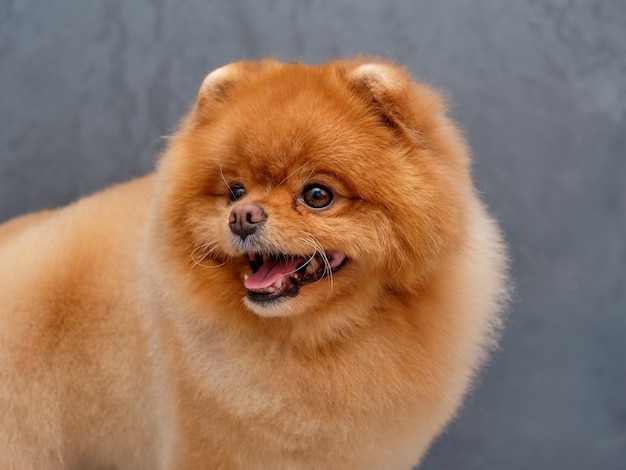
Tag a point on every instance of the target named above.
point(281, 275)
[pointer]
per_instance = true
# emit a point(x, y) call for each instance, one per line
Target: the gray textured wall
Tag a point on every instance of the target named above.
point(88, 87)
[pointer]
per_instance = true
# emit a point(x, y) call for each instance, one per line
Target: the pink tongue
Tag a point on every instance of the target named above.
point(269, 273)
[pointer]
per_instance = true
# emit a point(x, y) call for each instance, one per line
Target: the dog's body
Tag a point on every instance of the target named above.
point(129, 338)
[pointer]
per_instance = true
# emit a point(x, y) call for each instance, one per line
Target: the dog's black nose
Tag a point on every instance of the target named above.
point(245, 219)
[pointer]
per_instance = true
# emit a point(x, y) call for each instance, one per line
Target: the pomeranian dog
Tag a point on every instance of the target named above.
point(307, 281)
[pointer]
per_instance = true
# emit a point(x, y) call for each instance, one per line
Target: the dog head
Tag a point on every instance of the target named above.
point(291, 189)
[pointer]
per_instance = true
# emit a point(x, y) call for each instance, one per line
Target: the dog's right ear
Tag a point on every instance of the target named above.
point(218, 85)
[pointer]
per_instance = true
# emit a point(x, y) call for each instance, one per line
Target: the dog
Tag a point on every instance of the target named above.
point(308, 280)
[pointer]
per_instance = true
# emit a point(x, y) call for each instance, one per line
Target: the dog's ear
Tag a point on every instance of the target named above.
point(218, 84)
point(407, 107)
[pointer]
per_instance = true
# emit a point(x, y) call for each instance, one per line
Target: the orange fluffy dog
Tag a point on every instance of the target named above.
point(308, 281)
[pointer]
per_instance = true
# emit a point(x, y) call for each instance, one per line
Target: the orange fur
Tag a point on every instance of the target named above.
point(127, 341)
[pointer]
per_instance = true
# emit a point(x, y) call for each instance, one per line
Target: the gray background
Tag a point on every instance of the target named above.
point(87, 89)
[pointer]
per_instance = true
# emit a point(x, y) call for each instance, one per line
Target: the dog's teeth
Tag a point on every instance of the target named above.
point(296, 276)
point(245, 277)
point(271, 290)
point(312, 266)
point(278, 284)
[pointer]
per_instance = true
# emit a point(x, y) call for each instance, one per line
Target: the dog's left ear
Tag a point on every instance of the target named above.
point(407, 107)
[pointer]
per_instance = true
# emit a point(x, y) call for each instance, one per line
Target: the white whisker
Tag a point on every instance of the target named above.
point(224, 180)
point(291, 174)
point(202, 252)
point(399, 268)
point(318, 250)
point(308, 177)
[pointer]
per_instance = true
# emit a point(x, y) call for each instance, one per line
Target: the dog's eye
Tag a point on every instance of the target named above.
point(237, 192)
point(317, 196)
